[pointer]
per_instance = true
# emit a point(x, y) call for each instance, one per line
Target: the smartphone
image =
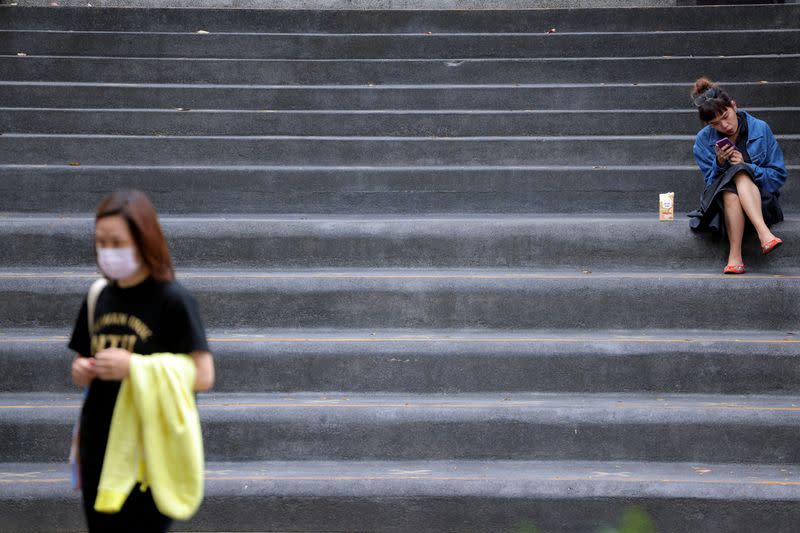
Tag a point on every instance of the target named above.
point(724, 143)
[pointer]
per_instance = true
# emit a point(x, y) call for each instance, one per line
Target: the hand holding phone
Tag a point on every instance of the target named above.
point(724, 143)
point(725, 149)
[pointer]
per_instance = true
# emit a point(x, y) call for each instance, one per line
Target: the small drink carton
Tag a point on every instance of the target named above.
point(666, 206)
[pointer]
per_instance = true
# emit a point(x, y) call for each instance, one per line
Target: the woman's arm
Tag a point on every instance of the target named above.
point(204, 362)
point(770, 174)
point(706, 159)
point(114, 364)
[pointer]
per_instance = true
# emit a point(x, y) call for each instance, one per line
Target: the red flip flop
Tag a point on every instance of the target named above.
point(770, 246)
point(734, 269)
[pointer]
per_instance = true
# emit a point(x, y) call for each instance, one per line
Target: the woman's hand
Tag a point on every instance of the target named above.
point(204, 362)
point(724, 154)
point(83, 371)
point(736, 158)
point(113, 364)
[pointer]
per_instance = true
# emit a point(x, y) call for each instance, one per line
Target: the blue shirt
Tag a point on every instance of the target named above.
point(766, 156)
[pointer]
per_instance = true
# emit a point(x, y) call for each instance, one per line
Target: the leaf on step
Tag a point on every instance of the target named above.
point(74, 164)
point(551, 30)
point(201, 32)
point(22, 54)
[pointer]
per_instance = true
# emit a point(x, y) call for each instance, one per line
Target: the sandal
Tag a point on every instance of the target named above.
point(770, 246)
point(734, 269)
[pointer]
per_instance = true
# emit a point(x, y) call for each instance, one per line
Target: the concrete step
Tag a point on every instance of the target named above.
point(399, 46)
point(752, 68)
point(420, 190)
point(435, 496)
point(456, 361)
point(347, 4)
point(783, 120)
point(422, 21)
point(495, 96)
point(314, 241)
point(594, 150)
point(434, 299)
point(514, 426)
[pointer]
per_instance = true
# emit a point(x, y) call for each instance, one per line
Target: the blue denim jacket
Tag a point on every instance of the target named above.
point(765, 154)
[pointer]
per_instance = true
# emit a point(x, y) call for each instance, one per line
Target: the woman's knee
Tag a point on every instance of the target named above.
point(742, 177)
point(731, 199)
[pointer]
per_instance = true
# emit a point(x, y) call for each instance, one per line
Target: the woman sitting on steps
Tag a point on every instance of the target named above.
point(743, 169)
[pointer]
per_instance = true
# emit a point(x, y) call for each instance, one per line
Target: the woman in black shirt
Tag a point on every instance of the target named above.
point(142, 310)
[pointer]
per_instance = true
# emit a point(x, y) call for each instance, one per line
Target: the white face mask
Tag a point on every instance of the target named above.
point(117, 263)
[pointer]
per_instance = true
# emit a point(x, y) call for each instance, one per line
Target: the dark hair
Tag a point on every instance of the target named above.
point(709, 98)
point(139, 213)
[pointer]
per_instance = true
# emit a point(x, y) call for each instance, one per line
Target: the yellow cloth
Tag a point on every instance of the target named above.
point(155, 438)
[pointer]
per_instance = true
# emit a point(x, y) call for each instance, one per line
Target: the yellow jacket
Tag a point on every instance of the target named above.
point(155, 438)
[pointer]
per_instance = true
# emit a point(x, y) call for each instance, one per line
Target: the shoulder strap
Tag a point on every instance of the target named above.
point(91, 301)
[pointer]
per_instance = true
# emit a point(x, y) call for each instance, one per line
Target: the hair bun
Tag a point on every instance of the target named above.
point(702, 85)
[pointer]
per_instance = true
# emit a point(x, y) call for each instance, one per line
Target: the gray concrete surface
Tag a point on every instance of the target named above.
point(499, 426)
point(267, 150)
point(539, 95)
point(415, 298)
point(406, 256)
point(377, 21)
point(465, 241)
point(371, 123)
point(431, 496)
point(456, 361)
point(399, 46)
point(366, 72)
point(353, 4)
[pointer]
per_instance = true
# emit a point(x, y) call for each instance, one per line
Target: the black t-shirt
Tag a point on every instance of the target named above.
point(151, 317)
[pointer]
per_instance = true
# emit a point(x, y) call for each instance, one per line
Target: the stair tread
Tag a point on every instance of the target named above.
point(41, 217)
point(387, 408)
point(464, 477)
point(697, 338)
point(231, 276)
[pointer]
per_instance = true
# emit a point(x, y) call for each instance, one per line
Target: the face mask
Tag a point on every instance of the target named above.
point(117, 263)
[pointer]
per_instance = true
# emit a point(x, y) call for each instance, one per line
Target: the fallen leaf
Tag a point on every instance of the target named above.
point(551, 30)
point(763, 81)
point(22, 54)
point(183, 109)
point(201, 32)
point(74, 164)
point(701, 470)
point(586, 271)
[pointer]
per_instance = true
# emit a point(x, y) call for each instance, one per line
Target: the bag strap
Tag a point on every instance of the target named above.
point(91, 301)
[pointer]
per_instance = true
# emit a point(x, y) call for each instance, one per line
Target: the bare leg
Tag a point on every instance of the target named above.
point(734, 222)
point(750, 199)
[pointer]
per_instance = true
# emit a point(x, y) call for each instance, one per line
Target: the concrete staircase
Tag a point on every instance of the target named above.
point(426, 247)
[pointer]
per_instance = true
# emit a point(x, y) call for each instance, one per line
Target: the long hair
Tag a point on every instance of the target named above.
point(710, 99)
point(137, 210)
